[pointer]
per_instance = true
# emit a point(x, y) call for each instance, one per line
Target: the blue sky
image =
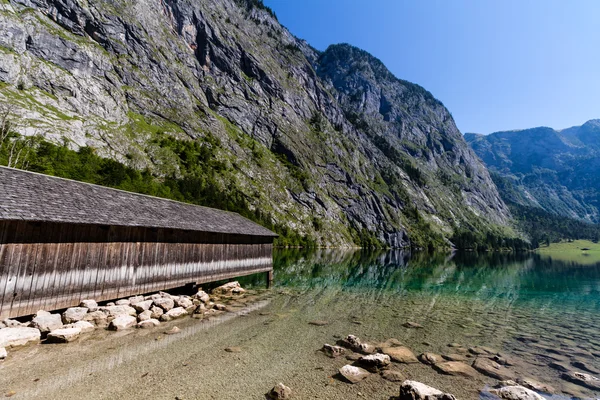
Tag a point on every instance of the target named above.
point(496, 65)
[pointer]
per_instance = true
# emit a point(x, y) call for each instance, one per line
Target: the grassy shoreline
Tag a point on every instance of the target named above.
point(581, 251)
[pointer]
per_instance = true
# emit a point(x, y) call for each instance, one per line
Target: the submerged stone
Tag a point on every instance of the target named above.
point(516, 392)
point(400, 354)
point(455, 368)
point(279, 392)
point(353, 374)
point(493, 369)
point(413, 390)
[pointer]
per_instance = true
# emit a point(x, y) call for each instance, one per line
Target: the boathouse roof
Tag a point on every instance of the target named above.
point(31, 196)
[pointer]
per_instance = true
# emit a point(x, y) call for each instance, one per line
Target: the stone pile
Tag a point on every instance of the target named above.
point(143, 312)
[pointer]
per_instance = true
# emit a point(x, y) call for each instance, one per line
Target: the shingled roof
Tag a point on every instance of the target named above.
point(31, 196)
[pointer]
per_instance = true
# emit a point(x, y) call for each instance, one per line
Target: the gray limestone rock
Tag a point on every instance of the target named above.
point(74, 314)
point(19, 336)
point(46, 322)
point(123, 322)
point(63, 335)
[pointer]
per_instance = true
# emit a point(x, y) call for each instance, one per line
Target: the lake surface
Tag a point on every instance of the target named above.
point(538, 314)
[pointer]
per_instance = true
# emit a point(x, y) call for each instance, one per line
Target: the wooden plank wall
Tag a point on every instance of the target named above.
point(49, 266)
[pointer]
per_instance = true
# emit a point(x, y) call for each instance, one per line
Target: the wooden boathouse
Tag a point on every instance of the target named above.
point(63, 241)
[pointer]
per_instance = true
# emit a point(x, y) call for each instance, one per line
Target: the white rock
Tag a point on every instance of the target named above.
point(353, 374)
point(115, 311)
point(135, 299)
point(91, 305)
point(149, 323)
point(110, 304)
point(13, 323)
point(142, 305)
point(166, 303)
point(85, 326)
point(375, 361)
point(202, 296)
point(413, 390)
point(98, 318)
point(122, 302)
point(122, 322)
point(2, 325)
point(46, 322)
point(64, 335)
point(157, 312)
point(18, 336)
point(184, 301)
point(177, 312)
point(229, 288)
point(145, 315)
point(3, 353)
point(74, 314)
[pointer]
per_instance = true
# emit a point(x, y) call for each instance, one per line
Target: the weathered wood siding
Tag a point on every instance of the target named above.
point(55, 265)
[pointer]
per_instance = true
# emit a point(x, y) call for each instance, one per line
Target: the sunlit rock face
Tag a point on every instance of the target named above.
point(330, 145)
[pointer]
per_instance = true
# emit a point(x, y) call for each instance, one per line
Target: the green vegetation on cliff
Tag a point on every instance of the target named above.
point(197, 183)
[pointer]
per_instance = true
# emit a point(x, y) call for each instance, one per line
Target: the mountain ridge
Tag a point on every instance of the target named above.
point(345, 159)
point(556, 170)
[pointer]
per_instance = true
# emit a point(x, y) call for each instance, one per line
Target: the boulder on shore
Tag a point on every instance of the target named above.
point(157, 312)
point(19, 336)
point(148, 323)
point(280, 392)
point(3, 353)
point(176, 312)
point(413, 390)
point(229, 289)
point(46, 322)
point(98, 318)
point(184, 302)
point(74, 314)
point(115, 311)
point(202, 296)
point(123, 322)
point(166, 303)
point(63, 335)
point(143, 305)
point(145, 315)
point(91, 305)
point(85, 326)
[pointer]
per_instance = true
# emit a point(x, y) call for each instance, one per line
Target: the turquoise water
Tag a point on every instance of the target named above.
point(536, 317)
point(536, 311)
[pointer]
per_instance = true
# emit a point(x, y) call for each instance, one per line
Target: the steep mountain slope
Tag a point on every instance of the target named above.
point(558, 171)
point(330, 145)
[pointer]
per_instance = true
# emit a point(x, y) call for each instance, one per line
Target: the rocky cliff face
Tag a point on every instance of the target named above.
point(558, 171)
point(329, 144)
